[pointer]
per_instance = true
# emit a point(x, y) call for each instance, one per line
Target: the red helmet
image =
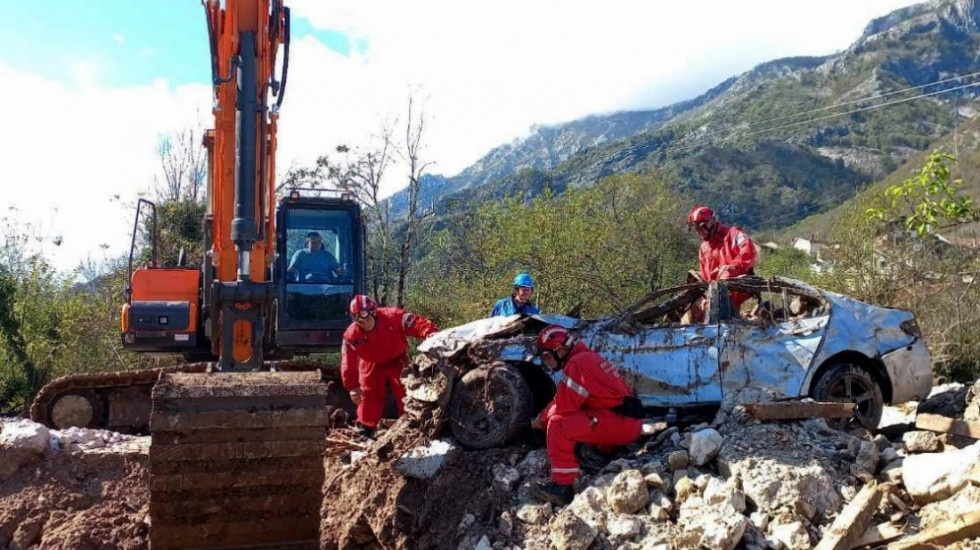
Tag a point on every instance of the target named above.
point(554, 337)
point(699, 214)
point(361, 306)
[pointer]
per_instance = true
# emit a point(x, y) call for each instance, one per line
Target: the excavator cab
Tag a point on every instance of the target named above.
point(320, 266)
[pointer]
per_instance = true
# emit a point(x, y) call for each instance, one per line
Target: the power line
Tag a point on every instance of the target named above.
point(789, 215)
point(845, 103)
point(818, 119)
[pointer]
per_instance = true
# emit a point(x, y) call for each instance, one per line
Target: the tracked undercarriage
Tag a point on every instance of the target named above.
point(120, 401)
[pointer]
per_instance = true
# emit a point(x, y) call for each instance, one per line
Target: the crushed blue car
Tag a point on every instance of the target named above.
point(789, 338)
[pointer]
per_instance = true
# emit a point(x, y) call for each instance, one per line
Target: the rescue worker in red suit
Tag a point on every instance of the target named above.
point(593, 405)
point(725, 253)
point(374, 352)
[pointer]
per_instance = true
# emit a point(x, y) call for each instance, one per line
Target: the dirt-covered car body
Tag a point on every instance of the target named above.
point(788, 338)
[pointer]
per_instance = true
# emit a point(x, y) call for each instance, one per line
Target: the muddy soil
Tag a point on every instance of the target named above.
point(61, 500)
point(368, 505)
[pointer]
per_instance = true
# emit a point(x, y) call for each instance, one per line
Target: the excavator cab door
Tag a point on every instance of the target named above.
point(319, 267)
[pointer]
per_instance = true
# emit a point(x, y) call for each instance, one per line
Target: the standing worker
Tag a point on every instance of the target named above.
point(375, 351)
point(725, 253)
point(593, 404)
point(520, 301)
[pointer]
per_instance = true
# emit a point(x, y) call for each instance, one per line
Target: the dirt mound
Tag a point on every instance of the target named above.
point(370, 502)
point(74, 500)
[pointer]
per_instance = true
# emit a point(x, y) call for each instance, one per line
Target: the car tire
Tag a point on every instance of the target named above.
point(849, 383)
point(491, 407)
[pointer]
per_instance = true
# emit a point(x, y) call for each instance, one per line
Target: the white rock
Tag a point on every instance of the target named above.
point(892, 471)
point(655, 481)
point(726, 532)
point(534, 514)
point(935, 476)
point(590, 505)
point(26, 435)
point(628, 492)
point(424, 462)
point(505, 477)
point(921, 442)
point(719, 527)
point(568, 531)
point(792, 536)
point(705, 446)
point(760, 520)
point(718, 492)
point(624, 526)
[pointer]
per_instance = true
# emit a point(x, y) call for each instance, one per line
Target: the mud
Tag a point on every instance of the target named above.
point(367, 504)
point(75, 500)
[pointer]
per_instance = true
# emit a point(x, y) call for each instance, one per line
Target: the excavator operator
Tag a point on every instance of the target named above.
point(314, 263)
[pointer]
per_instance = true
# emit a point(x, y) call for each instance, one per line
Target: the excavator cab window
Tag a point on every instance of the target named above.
point(319, 267)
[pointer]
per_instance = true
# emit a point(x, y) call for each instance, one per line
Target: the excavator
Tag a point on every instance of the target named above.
point(236, 454)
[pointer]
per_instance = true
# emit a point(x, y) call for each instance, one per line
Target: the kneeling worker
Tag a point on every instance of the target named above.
point(593, 404)
point(375, 351)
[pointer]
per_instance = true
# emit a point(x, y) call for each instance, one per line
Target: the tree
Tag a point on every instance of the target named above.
point(183, 163)
point(411, 153)
point(362, 173)
point(927, 202)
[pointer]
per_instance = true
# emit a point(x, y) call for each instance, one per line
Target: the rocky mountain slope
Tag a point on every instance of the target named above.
point(744, 145)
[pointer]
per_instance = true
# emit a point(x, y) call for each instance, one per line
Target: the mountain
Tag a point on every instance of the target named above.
point(744, 146)
point(548, 146)
point(963, 142)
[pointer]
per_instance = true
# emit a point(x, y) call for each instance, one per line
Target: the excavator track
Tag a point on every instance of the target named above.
point(236, 460)
point(118, 401)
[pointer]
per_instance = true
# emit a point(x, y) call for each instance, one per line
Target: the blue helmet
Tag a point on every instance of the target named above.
point(524, 280)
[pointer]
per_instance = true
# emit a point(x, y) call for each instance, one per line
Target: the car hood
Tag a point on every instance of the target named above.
point(451, 341)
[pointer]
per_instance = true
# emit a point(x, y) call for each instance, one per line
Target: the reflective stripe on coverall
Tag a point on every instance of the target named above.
point(589, 387)
point(369, 359)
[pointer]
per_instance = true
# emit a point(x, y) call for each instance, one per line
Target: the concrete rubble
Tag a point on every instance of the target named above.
point(738, 482)
point(747, 483)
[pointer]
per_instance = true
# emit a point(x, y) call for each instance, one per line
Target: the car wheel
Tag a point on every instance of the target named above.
point(491, 407)
point(848, 383)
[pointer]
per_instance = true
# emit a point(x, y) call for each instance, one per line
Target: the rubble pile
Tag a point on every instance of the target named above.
point(738, 482)
point(71, 489)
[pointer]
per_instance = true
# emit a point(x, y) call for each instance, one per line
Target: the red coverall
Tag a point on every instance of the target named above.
point(732, 247)
point(368, 359)
point(589, 387)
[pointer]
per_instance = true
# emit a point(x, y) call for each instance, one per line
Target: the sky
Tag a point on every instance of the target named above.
point(91, 86)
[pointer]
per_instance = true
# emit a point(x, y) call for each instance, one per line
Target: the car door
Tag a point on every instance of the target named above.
point(773, 344)
point(667, 364)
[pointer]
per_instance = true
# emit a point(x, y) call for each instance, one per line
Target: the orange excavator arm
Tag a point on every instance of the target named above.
point(245, 37)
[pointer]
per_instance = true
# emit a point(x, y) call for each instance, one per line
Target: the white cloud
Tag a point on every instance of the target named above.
point(74, 149)
point(488, 73)
point(492, 71)
point(119, 39)
point(148, 52)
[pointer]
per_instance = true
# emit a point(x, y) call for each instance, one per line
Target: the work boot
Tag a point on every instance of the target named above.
point(365, 431)
point(559, 495)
